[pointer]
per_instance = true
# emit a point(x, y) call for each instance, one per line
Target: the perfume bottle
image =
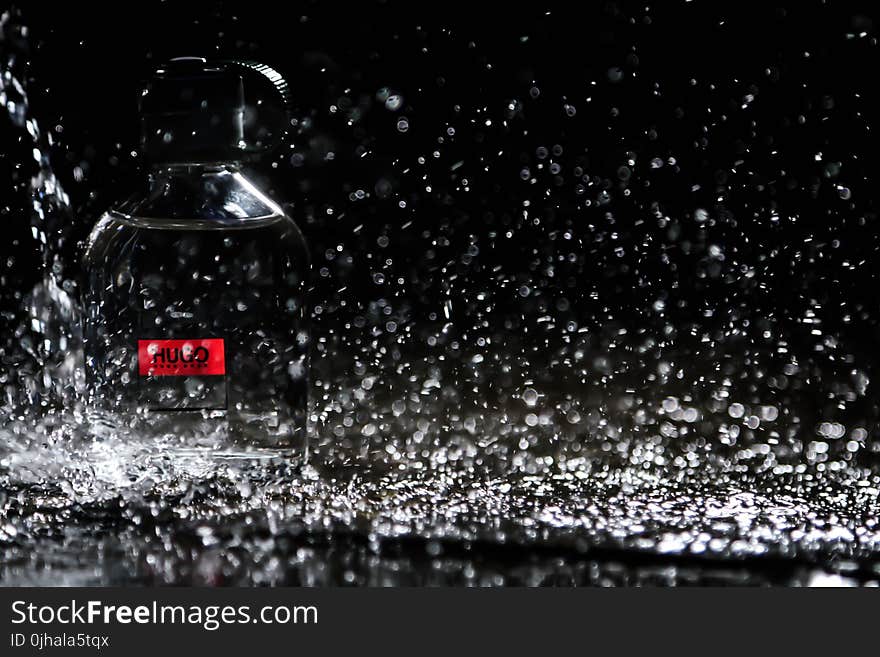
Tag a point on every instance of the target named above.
point(195, 322)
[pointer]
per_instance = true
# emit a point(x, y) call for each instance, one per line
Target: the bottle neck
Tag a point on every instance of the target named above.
point(174, 179)
point(190, 169)
point(199, 190)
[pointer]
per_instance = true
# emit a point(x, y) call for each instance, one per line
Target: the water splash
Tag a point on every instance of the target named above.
point(623, 400)
point(52, 339)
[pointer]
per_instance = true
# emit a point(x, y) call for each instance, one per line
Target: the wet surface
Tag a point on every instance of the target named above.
point(606, 323)
point(585, 522)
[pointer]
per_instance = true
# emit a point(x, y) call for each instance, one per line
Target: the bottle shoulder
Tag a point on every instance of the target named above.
point(117, 236)
point(206, 209)
point(116, 218)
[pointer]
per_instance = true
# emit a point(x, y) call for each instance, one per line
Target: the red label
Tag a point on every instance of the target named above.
point(181, 357)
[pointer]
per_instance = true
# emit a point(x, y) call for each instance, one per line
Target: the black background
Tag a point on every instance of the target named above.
point(760, 113)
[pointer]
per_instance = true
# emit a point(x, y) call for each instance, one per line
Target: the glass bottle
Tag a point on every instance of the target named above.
point(195, 322)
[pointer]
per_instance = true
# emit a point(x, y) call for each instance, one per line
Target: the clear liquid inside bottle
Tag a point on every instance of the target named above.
point(195, 328)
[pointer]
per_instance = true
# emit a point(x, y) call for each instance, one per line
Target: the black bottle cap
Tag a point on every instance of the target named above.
point(192, 111)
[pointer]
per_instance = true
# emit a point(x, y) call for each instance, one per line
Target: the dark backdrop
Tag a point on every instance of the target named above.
point(641, 198)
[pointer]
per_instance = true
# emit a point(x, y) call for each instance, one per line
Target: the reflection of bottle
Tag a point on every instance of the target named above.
point(196, 288)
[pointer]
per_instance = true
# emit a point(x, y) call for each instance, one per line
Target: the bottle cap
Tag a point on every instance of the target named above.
point(192, 110)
